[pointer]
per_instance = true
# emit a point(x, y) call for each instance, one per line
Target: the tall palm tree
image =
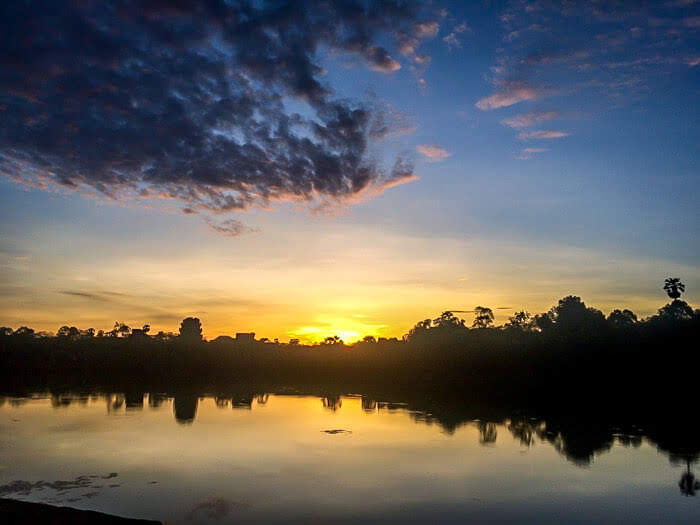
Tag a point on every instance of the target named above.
point(674, 287)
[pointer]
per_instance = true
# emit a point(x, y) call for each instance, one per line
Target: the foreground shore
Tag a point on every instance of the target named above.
point(22, 512)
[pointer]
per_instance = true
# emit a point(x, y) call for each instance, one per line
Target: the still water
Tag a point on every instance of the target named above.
point(302, 458)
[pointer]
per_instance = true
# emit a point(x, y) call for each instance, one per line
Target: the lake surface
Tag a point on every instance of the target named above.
point(192, 459)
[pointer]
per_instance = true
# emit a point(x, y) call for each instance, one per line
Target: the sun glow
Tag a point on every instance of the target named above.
point(350, 330)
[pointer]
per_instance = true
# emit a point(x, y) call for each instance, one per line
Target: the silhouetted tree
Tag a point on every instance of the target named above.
point(572, 317)
point(483, 317)
point(521, 321)
point(68, 332)
point(141, 332)
point(622, 318)
point(5, 331)
point(544, 322)
point(448, 320)
point(674, 287)
point(164, 336)
point(369, 339)
point(332, 340)
point(120, 330)
point(191, 329)
point(24, 332)
point(421, 328)
point(677, 310)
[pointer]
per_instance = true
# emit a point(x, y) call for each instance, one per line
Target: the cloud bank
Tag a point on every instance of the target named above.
point(190, 101)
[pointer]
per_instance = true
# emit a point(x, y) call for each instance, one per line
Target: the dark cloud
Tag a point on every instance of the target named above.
point(188, 100)
point(229, 227)
point(102, 296)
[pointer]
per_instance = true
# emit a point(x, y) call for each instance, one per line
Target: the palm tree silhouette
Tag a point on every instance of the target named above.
point(674, 287)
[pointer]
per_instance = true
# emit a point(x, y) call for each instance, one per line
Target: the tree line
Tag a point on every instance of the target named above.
point(569, 317)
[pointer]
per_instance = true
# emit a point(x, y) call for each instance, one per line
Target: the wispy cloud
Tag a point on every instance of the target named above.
point(525, 120)
point(542, 134)
point(101, 295)
point(452, 39)
point(509, 95)
point(527, 153)
point(410, 41)
point(433, 153)
point(229, 227)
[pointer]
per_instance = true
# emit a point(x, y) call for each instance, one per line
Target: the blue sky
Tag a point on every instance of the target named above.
point(552, 151)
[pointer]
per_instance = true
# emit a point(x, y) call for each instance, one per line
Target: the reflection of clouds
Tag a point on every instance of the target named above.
point(61, 487)
point(214, 508)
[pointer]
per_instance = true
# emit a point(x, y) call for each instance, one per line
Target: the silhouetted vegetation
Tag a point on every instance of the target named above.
point(571, 356)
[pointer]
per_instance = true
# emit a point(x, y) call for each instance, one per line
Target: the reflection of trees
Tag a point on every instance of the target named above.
point(688, 484)
point(577, 441)
point(332, 402)
point(629, 440)
point(60, 400)
point(134, 400)
point(114, 402)
point(185, 408)
point(523, 431)
point(368, 404)
point(487, 433)
point(155, 400)
point(261, 399)
point(242, 401)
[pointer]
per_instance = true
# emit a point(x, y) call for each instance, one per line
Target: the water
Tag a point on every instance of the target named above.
point(303, 458)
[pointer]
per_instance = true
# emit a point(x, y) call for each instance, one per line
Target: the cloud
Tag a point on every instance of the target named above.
point(433, 153)
point(526, 153)
point(389, 123)
point(188, 101)
point(525, 120)
point(452, 40)
point(381, 61)
point(426, 30)
point(101, 296)
point(228, 227)
point(509, 95)
point(542, 134)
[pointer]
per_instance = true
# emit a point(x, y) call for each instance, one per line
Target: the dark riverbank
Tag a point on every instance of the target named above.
point(22, 512)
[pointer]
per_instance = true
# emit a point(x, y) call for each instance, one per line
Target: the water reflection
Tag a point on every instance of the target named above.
point(185, 408)
point(273, 442)
point(688, 484)
point(578, 440)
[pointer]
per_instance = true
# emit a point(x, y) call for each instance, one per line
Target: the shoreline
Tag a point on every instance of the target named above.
point(13, 511)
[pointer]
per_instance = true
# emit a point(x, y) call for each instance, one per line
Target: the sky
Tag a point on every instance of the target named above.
point(307, 169)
